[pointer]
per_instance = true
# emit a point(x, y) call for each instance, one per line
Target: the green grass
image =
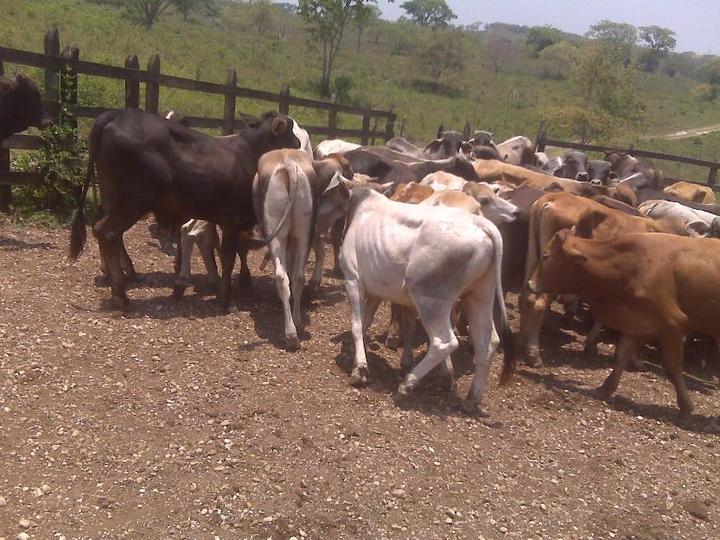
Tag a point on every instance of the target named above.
point(508, 103)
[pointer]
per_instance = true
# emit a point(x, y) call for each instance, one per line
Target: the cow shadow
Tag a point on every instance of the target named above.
point(662, 413)
point(431, 397)
point(16, 244)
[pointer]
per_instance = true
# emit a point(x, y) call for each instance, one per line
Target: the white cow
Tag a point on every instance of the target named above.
point(333, 146)
point(695, 222)
point(426, 258)
point(517, 150)
point(286, 193)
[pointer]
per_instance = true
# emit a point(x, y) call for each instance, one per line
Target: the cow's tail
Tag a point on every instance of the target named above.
point(292, 169)
point(78, 235)
point(506, 337)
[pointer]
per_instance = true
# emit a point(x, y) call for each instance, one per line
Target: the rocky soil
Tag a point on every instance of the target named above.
point(175, 420)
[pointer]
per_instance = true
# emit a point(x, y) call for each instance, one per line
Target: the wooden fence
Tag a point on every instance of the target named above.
point(543, 140)
point(68, 64)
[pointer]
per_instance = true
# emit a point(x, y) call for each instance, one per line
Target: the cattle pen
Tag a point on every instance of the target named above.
point(542, 141)
point(62, 67)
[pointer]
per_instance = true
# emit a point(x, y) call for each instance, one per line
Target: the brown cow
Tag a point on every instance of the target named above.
point(412, 193)
point(552, 213)
point(646, 286)
point(691, 192)
point(498, 171)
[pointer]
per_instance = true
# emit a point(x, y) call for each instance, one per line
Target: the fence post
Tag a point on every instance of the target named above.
point(132, 87)
point(152, 87)
point(402, 126)
point(69, 86)
point(5, 189)
point(229, 111)
point(712, 176)
point(390, 126)
point(375, 128)
point(540, 138)
point(284, 103)
point(332, 118)
point(52, 48)
point(365, 139)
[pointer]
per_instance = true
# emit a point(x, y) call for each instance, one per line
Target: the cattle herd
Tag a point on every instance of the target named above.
point(442, 232)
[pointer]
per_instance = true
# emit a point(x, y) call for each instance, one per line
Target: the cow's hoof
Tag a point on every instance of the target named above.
point(403, 390)
point(178, 291)
point(292, 343)
point(407, 362)
point(313, 286)
point(119, 303)
point(358, 377)
point(636, 365)
point(534, 361)
point(605, 391)
point(470, 407)
point(591, 349)
point(392, 342)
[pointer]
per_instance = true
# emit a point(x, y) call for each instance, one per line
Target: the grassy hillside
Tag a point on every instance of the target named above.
point(509, 102)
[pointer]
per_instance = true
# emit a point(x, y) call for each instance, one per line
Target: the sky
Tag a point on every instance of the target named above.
point(696, 22)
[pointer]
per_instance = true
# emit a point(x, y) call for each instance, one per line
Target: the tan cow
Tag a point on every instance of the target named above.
point(646, 286)
point(552, 213)
point(691, 192)
point(412, 193)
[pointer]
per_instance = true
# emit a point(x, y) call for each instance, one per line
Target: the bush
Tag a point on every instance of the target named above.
point(62, 162)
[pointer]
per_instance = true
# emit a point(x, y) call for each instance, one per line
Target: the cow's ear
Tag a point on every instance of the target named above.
point(433, 146)
point(22, 80)
point(698, 228)
point(334, 182)
point(280, 125)
point(553, 187)
point(564, 238)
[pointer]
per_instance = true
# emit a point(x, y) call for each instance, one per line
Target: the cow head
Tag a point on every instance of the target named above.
point(279, 131)
point(560, 261)
point(482, 138)
point(574, 166)
point(494, 208)
point(21, 106)
point(447, 145)
point(600, 171)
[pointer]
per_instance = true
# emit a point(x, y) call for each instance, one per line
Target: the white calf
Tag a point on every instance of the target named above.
point(426, 258)
point(333, 146)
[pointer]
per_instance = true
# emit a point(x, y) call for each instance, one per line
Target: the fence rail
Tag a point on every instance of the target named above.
point(713, 166)
point(54, 63)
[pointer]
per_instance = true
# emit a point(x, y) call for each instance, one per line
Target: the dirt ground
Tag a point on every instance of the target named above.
point(175, 420)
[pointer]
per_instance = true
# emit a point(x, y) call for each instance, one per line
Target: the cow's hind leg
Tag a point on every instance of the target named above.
point(244, 280)
point(282, 283)
point(319, 249)
point(407, 329)
point(627, 347)
point(337, 237)
point(435, 316)
point(299, 251)
point(126, 263)
point(227, 261)
point(184, 254)
point(206, 243)
point(356, 299)
point(479, 310)
point(671, 348)
point(108, 231)
point(531, 319)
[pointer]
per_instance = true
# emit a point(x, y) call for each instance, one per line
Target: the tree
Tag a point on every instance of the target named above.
point(660, 40)
point(433, 13)
point(365, 16)
point(146, 12)
point(326, 21)
point(608, 100)
point(499, 50)
point(441, 52)
point(557, 60)
point(540, 37)
point(186, 7)
point(617, 38)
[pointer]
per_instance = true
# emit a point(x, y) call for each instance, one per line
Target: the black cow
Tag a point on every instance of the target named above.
point(20, 106)
point(600, 171)
point(374, 163)
point(574, 166)
point(149, 164)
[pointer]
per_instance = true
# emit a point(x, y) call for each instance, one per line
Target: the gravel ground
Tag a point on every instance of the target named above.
point(176, 420)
